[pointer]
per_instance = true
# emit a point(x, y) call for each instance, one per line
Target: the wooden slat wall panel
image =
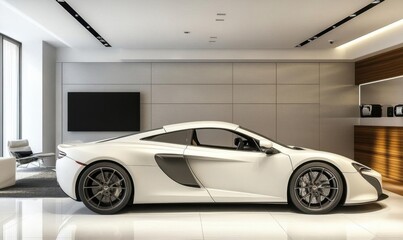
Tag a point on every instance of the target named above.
point(380, 148)
point(382, 66)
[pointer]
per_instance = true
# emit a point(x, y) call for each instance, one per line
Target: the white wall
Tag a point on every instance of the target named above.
point(48, 101)
point(31, 94)
point(285, 101)
point(38, 96)
point(37, 58)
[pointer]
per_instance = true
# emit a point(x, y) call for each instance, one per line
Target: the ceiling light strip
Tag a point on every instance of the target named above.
point(84, 23)
point(341, 22)
point(372, 34)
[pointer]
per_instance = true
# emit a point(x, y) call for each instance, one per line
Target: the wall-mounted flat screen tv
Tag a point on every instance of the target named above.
point(103, 111)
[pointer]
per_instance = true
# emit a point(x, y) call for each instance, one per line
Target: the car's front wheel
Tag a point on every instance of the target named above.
point(105, 188)
point(316, 188)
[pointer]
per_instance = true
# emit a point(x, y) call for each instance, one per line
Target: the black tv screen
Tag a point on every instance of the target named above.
point(103, 111)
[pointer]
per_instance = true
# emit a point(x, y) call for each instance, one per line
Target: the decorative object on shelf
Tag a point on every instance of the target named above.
point(371, 110)
point(390, 111)
point(399, 110)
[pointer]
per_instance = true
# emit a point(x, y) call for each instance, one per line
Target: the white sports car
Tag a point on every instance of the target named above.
point(210, 162)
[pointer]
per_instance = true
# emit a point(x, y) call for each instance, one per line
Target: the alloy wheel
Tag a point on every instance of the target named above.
point(105, 188)
point(316, 188)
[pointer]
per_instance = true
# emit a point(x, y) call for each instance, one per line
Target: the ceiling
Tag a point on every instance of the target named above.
point(248, 24)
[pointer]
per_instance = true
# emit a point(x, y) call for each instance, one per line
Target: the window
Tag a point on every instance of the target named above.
point(9, 91)
point(179, 137)
point(224, 139)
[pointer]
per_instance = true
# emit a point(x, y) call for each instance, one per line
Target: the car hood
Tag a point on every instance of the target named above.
point(299, 156)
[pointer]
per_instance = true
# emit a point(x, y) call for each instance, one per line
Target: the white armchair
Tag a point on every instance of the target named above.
point(23, 154)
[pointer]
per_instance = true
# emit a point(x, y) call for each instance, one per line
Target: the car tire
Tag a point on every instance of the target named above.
point(316, 188)
point(105, 188)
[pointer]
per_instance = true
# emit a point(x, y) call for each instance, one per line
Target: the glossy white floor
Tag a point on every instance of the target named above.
point(63, 218)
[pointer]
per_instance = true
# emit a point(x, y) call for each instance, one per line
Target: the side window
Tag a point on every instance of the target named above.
point(179, 137)
point(224, 139)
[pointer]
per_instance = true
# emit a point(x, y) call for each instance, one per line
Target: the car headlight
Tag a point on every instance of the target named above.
point(360, 167)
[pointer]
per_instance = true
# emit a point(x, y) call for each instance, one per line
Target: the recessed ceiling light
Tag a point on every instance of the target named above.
point(221, 14)
point(82, 21)
point(220, 20)
point(372, 4)
point(186, 32)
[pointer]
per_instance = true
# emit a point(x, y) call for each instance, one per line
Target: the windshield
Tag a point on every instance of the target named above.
point(262, 136)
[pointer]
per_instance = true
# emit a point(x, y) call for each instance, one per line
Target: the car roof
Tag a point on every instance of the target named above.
point(200, 124)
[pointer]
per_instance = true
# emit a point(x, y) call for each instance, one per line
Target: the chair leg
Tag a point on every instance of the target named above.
point(41, 163)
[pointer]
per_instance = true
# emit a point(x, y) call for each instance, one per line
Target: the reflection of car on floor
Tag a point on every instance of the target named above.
point(210, 162)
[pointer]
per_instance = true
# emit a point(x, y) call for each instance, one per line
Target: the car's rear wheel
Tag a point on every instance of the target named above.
point(105, 188)
point(316, 188)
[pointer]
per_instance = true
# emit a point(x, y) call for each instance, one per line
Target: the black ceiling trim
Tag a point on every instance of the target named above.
point(84, 23)
point(341, 22)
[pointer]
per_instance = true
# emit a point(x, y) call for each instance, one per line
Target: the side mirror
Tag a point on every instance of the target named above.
point(268, 146)
point(265, 144)
point(271, 151)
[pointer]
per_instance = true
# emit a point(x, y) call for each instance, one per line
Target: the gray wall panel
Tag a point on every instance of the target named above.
point(192, 73)
point(258, 117)
point(192, 94)
point(254, 93)
point(163, 114)
point(338, 108)
point(59, 103)
point(297, 73)
point(107, 73)
point(298, 93)
point(254, 73)
point(337, 73)
point(281, 100)
point(49, 104)
point(298, 124)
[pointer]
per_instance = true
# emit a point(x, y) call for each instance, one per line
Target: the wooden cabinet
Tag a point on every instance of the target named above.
point(380, 148)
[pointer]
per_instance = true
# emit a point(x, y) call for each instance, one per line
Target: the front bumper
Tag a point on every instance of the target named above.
point(375, 179)
point(67, 172)
point(363, 187)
